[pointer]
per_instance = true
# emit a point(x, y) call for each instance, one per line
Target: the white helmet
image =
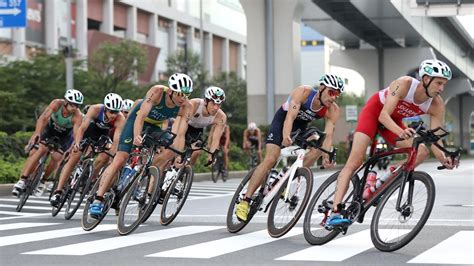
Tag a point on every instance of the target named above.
point(127, 105)
point(179, 82)
point(215, 94)
point(113, 102)
point(252, 126)
point(435, 68)
point(74, 96)
point(332, 81)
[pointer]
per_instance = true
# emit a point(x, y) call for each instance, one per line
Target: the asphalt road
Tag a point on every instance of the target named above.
point(199, 235)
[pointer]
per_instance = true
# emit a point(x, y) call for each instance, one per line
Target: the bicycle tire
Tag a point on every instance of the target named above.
point(56, 177)
point(186, 177)
point(88, 223)
point(313, 226)
point(279, 231)
point(62, 200)
point(30, 186)
point(389, 195)
point(214, 173)
point(71, 208)
point(234, 225)
point(143, 183)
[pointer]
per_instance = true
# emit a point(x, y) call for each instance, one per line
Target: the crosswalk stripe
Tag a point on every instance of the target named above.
point(26, 207)
point(6, 227)
point(52, 234)
point(96, 246)
point(337, 250)
point(458, 249)
point(223, 246)
point(29, 201)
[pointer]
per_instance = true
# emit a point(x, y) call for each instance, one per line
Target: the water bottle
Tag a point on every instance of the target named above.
point(370, 185)
point(169, 177)
point(126, 174)
point(271, 180)
point(385, 176)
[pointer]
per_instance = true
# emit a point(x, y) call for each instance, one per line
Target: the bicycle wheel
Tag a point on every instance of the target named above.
point(89, 223)
point(177, 194)
point(391, 229)
point(234, 225)
point(74, 200)
point(317, 212)
point(284, 214)
point(64, 196)
point(30, 185)
point(56, 178)
point(137, 201)
point(215, 173)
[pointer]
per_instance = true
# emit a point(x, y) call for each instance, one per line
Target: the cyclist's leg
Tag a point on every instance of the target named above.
point(260, 154)
point(273, 151)
point(311, 156)
point(32, 161)
point(74, 158)
point(355, 160)
point(108, 177)
point(195, 156)
point(225, 155)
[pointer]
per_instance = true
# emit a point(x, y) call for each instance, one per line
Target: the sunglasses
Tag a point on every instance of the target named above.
point(125, 112)
point(334, 93)
point(113, 111)
point(74, 104)
point(215, 97)
point(183, 95)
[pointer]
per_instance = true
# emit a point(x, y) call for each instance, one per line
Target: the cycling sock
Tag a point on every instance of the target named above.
point(24, 177)
point(99, 198)
point(247, 199)
point(58, 192)
point(339, 208)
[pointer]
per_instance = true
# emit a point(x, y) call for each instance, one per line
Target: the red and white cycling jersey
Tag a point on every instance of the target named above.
point(405, 108)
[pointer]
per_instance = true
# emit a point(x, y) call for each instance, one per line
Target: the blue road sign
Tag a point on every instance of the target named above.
point(12, 13)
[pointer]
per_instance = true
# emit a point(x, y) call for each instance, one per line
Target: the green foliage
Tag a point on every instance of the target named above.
point(10, 169)
point(114, 64)
point(351, 99)
point(12, 155)
point(235, 105)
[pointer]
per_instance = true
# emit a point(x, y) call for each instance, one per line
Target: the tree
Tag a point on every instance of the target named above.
point(114, 64)
point(235, 105)
point(189, 63)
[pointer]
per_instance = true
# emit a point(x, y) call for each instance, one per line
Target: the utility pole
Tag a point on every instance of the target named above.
point(68, 50)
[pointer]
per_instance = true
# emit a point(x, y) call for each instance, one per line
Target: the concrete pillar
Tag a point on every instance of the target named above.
point(51, 27)
point(19, 47)
point(256, 66)
point(208, 56)
point(81, 28)
point(131, 32)
point(287, 48)
point(225, 56)
point(153, 40)
point(240, 61)
point(173, 37)
point(107, 25)
point(190, 39)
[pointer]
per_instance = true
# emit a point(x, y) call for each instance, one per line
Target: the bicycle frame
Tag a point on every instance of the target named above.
point(290, 173)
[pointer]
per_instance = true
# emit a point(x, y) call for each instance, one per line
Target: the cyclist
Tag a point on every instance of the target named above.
point(127, 106)
point(159, 104)
point(304, 105)
point(101, 119)
point(207, 112)
point(253, 138)
point(383, 113)
point(59, 119)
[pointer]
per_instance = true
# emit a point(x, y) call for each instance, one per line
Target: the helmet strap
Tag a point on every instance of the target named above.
point(320, 92)
point(425, 86)
point(171, 97)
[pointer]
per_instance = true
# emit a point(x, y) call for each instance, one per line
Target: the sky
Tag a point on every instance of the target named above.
point(467, 22)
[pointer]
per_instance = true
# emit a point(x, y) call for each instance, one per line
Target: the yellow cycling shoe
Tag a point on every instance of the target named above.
point(242, 211)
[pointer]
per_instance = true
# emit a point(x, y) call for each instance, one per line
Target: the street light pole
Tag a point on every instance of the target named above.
point(68, 54)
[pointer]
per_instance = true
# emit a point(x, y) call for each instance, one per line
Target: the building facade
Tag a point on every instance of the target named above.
point(162, 27)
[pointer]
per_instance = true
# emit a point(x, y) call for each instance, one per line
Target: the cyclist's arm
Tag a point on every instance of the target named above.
point(436, 111)
point(298, 96)
point(219, 129)
point(76, 121)
point(180, 125)
point(45, 116)
point(331, 119)
point(92, 113)
point(227, 135)
point(119, 123)
point(396, 92)
point(153, 96)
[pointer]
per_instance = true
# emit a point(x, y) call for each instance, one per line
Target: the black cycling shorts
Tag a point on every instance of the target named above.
point(64, 137)
point(275, 134)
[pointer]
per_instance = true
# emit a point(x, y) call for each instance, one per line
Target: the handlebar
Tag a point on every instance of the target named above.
point(53, 144)
point(301, 139)
point(432, 136)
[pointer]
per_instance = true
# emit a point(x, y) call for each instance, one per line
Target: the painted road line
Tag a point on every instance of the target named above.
point(458, 249)
point(336, 250)
point(223, 246)
point(5, 227)
point(52, 234)
point(108, 244)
